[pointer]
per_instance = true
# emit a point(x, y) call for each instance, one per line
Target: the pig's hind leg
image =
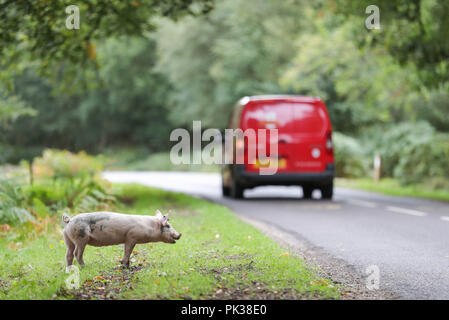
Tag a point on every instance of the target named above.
point(80, 245)
point(79, 251)
point(69, 254)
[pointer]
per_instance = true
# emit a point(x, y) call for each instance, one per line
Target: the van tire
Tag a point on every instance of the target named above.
point(307, 192)
point(225, 191)
point(236, 189)
point(327, 192)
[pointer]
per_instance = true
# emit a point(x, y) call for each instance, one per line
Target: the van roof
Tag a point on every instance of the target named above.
point(295, 98)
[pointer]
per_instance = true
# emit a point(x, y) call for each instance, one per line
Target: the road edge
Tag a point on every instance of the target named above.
point(352, 282)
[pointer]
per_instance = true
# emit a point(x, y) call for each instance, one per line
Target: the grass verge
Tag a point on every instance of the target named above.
point(392, 187)
point(218, 257)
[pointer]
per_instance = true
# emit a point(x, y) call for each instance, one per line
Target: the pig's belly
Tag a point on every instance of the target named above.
point(100, 239)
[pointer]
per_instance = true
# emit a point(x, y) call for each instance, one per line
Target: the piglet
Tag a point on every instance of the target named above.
point(108, 228)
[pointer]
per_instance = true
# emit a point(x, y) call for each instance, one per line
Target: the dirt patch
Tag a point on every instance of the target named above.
point(258, 291)
point(4, 285)
point(104, 287)
point(243, 269)
point(238, 256)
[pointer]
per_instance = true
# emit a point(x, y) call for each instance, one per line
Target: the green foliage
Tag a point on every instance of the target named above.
point(14, 154)
point(11, 108)
point(413, 31)
point(63, 182)
point(126, 105)
point(36, 31)
point(350, 160)
point(433, 106)
point(70, 181)
point(239, 49)
point(411, 152)
point(13, 204)
point(361, 88)
point(424, 159)
point(59, 164)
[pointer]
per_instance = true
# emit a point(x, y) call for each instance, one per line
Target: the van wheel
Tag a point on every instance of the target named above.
point(225, 191)
point(236, 190)
point(307, 192)
point(327, 192)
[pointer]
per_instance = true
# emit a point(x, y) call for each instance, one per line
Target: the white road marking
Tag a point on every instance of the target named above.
point(363, 203)
point(407, 211)
point(445, 218)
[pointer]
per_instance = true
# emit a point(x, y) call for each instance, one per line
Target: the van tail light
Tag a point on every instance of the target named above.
point(329, 144)
point(239, 155)
point(240, 143)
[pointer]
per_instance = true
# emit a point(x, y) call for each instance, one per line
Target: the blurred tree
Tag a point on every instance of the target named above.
point(36, 30)
point(11, 108)
point(360, 87)
point(413, 31)
point(240, 49)
point(127, 107)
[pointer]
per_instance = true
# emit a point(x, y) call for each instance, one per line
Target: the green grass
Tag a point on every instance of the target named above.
point(392, 187)
point(218, 256)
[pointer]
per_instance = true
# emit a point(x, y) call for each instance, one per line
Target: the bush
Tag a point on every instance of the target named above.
point(59, 164)
point(350, 161)
point(13, 204)
point(433, 106)
point(423, 160)
point(411, 152)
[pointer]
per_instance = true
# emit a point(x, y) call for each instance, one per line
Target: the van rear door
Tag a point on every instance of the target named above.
point(301, 128)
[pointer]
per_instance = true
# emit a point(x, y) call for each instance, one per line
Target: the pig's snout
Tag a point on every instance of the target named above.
point(178, 237)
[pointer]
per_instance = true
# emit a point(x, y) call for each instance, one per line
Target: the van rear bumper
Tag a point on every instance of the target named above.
point(250, 179)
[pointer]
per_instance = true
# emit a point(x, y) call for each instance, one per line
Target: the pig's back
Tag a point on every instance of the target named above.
point(106, 228)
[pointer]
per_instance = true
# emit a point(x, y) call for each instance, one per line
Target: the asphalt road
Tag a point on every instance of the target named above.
point(408, 239)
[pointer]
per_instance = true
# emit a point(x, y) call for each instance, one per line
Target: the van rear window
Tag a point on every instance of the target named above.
point(287, 117)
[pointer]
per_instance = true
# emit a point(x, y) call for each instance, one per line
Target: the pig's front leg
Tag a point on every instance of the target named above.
point(129, 246)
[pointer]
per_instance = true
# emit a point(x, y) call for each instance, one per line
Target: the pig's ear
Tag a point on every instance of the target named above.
point(158, 214)
point(165, 220)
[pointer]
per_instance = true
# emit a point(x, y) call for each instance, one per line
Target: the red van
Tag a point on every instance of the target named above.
point(305, 154)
